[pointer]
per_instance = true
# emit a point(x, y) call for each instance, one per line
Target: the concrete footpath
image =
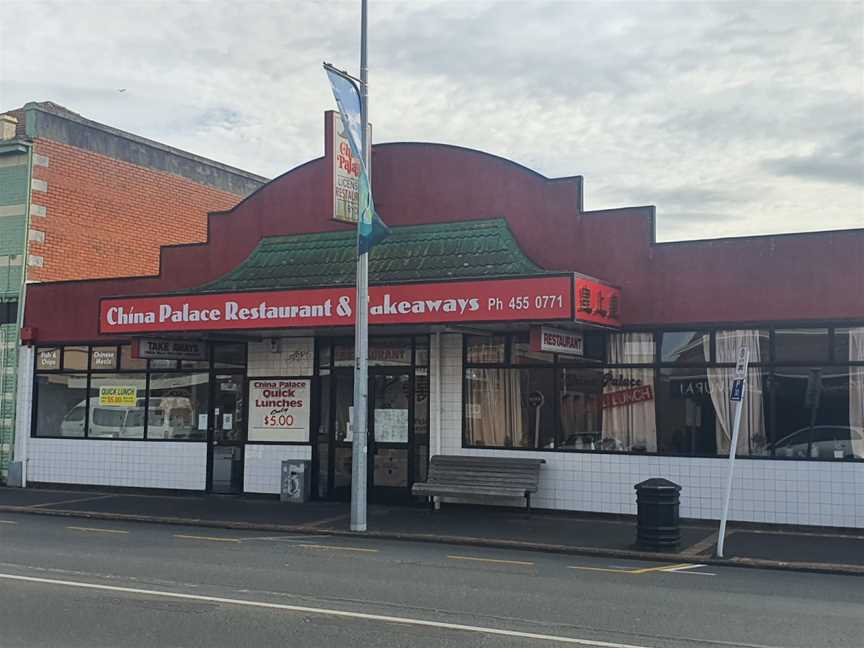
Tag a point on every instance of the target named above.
point(746, 545)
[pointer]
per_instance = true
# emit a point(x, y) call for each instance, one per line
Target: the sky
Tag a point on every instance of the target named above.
point(731, 118)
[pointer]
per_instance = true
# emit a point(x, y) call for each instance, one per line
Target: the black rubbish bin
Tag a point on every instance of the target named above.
point(657, 503)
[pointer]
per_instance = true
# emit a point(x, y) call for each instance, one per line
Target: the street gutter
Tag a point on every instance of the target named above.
point(468, 541)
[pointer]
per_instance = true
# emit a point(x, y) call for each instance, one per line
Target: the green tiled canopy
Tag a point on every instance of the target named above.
point(465, 250)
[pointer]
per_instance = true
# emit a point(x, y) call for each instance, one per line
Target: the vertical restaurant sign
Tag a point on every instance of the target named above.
point(279, 410)
point(346, 172)
point(542, 298)
point(597, 302)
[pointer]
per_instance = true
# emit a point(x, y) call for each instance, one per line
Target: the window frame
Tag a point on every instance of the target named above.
point(766, 366)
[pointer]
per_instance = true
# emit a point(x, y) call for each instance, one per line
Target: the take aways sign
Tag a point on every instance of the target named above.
point(279, 410)
point(155, 348)
point(532, 298)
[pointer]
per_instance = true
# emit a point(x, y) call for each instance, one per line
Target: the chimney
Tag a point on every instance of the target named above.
point(7, 127)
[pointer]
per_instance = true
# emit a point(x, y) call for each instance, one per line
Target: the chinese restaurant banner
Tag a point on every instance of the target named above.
point(597, 303)
point(545, 298)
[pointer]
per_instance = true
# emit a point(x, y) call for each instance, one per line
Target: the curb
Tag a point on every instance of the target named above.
point(468, 541)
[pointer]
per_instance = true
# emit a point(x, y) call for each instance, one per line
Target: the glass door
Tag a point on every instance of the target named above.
point(226, 434)
point(389, 415)
point(390, 401)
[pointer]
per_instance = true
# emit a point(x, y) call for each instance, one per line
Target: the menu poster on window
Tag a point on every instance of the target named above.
point(118, 396)
point(391, 425)
point(279, 411)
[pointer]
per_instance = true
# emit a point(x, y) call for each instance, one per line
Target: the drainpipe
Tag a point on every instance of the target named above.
point(438, 392)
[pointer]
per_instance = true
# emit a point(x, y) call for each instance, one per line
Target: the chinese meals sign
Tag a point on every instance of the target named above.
point(279, 410)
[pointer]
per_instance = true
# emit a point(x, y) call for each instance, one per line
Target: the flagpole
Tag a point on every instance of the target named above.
point(359, 470)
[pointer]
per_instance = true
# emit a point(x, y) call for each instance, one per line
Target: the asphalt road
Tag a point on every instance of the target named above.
point(72, 583)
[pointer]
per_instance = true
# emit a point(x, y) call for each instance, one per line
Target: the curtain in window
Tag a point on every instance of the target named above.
point(493, 412)
point(632, 426)
point(856, 390)
point(752, 439)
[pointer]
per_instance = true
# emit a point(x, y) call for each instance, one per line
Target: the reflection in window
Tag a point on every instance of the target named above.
point(630, 348)
point(510, 408)
point(814, 413)
point(523, 354)
point(796, 345)
point(684, 347)
point(178, 405)
point(485, 349)
point(117, 406)
point(61, 405)
point(580, 408)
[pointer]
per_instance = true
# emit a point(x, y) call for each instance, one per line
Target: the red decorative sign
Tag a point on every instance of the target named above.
point(598, 303)
point(628, 396)
point(534, 298)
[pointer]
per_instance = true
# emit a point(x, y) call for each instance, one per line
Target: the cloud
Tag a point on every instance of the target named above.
point(842, 163)
point(721, 114)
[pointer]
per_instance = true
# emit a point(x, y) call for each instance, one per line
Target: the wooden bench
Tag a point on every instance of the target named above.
point(480, 478)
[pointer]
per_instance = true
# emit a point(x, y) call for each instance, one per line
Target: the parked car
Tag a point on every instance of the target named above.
point(821, 442)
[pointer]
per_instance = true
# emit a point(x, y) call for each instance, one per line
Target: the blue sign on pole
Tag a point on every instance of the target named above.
point(737, 389)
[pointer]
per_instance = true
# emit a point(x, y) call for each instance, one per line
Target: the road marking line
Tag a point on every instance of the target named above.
point(327, 612)
point(96, 529)
point(681, 568)
point(288, 538)
point(703, 545)
point(7, 522)
point(493, 560)
point(631, 572)
point(211, 538)
point(72, 501)
point(337, 548)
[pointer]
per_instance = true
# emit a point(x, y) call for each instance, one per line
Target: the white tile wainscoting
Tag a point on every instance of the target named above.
point(263, 465)
point(139, 464)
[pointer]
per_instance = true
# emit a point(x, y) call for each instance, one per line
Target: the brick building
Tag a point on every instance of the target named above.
point(76, 197)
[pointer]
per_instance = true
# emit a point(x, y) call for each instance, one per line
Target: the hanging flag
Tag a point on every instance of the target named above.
point(347, 94)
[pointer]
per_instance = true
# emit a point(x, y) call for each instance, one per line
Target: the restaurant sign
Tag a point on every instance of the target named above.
point(546, 298)
point(279, 411)
point(555, 340)
point(345, 169)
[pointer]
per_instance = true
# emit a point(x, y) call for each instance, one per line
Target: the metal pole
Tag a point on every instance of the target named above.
point(721, 536)
point(740, 375)
point(361, 328)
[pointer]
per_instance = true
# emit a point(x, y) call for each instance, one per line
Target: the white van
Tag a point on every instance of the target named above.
point(169, 418)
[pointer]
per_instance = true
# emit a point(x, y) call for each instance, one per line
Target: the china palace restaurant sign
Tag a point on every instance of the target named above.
point(545, 298)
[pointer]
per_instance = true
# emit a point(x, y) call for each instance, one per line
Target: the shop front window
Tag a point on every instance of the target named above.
point(510, 408)
point(580, 407)
point(818, 413)
point(61, 405)
point(684, 347)
point(116, 406)
point(801, 345)
point(179, 406)
point(485, 349)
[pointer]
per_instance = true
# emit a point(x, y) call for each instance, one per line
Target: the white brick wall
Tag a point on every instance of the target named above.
point(263, 465)
point(295, 357)
point(787, 492)
point(140, 464)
